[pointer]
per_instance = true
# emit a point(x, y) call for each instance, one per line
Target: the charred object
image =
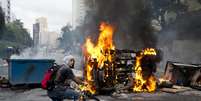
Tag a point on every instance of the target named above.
point(183, 74)
point(117, 71)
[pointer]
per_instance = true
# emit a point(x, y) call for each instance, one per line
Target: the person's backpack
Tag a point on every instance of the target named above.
point(47, 82)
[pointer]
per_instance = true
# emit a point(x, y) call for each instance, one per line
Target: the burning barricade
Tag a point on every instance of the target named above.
point(106, 67)
point(145, 67)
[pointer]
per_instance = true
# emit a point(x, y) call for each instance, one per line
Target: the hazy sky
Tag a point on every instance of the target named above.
point(57, 12)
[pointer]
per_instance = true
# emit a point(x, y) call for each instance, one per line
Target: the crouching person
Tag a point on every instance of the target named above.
point(62, 89)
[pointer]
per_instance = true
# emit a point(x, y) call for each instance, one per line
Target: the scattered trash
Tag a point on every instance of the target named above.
point(4, 83)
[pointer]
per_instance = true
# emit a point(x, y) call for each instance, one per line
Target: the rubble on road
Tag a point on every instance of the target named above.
point(4, 83)
point(171, 87)
point(182, 75)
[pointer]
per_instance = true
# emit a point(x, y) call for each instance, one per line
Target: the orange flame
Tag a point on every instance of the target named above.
point(105, 43)
point(142, 85)
point(99, 51)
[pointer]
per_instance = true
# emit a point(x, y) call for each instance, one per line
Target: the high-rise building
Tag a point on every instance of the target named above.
point(13, 17)
point(43, 30)
point(41, 35)
point(52, 39)
point(5, 5)
point(36, 31)
point(43, 24)
point(79, 11)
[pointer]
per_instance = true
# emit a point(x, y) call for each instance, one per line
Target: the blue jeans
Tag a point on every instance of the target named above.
point(58, 94)
point(71, 94)
point(56, 99)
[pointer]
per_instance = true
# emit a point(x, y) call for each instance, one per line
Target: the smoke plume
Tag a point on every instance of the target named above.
point(131, 19)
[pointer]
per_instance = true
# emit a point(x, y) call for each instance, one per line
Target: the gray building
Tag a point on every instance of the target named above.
point(79, 11)
point(6, 6)
point(41, 36)
point(40, 31)
point(36, 31)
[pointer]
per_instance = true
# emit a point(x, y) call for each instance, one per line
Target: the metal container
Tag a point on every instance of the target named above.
point(28, 71)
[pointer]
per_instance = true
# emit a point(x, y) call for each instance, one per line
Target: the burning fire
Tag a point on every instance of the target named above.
point(96, 54)
point(104, 44)
point(99, 51)
point(142, 84)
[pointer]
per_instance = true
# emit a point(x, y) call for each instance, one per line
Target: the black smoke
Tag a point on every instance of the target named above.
point(131, 19)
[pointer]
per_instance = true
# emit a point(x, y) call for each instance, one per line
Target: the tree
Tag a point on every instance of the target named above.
point(71, 39)
point(13, 34)
point(67, 37)
point(16, 33)
point(160, 7)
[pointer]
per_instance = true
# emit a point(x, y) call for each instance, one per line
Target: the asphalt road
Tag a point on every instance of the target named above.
point(40, 95)
point(6, 94)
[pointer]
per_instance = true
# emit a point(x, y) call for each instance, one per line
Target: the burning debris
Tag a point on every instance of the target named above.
point(97, 54)
point(144, 69)
point(107, 67)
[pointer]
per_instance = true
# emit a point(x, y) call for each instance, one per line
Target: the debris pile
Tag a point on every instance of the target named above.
point(180, 74)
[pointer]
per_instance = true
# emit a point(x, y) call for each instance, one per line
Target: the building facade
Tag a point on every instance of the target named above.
point(41, 36)
point(36, 31)
point(79, 12)
point(6, 6)
point(53, 39)
point(43, 30)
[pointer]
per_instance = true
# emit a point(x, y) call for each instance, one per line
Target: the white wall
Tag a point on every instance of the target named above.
point(79, 11)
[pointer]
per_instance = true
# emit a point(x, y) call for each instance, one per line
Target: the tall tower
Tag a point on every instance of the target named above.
point(41, 27)
point(79, 11)
point(36, 30)
point(5, 5)
point(41, 36)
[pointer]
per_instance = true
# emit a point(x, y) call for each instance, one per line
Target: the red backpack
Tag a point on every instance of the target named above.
point(49, 77)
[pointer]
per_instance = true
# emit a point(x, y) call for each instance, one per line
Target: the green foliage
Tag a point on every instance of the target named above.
point(67, 36)
point(14, 35)
point(71, 39)
point(4, 45)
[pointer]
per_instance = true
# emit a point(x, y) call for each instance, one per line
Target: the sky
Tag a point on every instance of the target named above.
point(57, 12)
